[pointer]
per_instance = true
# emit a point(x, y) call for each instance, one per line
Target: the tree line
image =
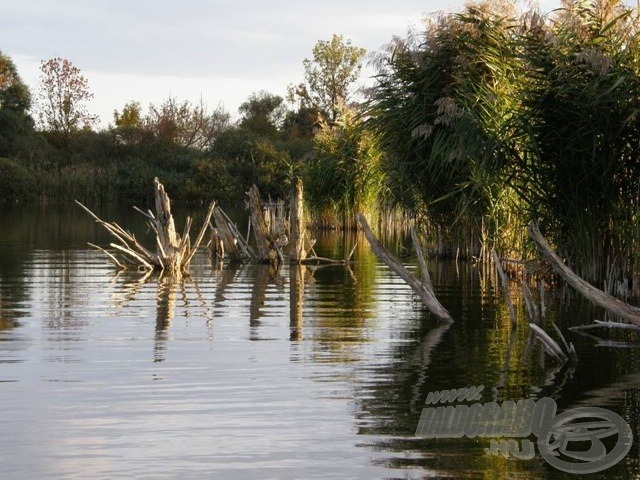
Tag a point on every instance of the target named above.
point(51, 150)
point(484, 120)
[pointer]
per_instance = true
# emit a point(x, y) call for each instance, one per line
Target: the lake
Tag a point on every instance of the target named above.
point(247, 372)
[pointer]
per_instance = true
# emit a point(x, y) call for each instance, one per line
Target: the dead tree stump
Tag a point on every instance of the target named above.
point(297, 252)
point(173, 252)
point(267, 248)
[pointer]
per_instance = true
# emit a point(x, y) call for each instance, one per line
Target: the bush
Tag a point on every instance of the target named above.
point(16, 183)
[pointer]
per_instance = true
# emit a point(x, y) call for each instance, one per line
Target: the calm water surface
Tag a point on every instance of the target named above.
point(250, 373)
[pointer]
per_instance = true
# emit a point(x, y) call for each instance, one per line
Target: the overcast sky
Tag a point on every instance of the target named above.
point(221, 50)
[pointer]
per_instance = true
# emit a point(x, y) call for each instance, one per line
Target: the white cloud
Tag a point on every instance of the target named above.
point(221, 50)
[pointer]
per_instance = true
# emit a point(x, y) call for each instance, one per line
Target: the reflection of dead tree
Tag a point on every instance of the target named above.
point(423, 287)
point(591, 293)
point(265, 274)
point(296, 295)
point(173, 252)
point(165, 307)
point(422, 357)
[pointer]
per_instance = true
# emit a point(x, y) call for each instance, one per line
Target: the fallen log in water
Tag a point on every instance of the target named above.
point(422, 289)
point(591, 293)
point(550, 345)
point(173, 252)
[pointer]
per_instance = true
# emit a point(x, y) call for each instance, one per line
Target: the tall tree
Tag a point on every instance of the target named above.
point(64, 94)
point(335, 66)
point(15, 101)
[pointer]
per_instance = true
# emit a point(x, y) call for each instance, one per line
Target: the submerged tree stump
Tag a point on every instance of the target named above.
point(173, 252)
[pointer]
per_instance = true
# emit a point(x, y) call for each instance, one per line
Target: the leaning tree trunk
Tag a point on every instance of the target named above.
point(591, 293)
point(423, 289)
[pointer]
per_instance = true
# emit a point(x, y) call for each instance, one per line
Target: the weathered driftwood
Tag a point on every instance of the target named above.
point(591, 293)
point(601, 324)
point(528, 300)
point(568, 346)
point(173, 252)
point(226, 235)
point(426, 278)
point(266, 248)
point(241, 241)
point(297, 252)
point(419, 287)
point(549, 344)
point(505, 288)
point(216, 244)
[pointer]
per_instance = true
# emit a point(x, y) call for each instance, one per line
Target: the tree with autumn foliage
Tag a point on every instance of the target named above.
point(63, 97)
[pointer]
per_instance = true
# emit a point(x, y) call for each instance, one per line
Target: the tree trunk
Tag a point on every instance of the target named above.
point(297, 252)
point(591, 293)
point(266, 251)
point(169, 246)
point(420, 288)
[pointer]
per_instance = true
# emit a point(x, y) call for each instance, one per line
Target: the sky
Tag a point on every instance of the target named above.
point(220, 51)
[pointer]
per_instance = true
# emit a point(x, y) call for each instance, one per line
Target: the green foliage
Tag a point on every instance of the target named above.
point(16, 183)
point(15, 101)
point(262, 113)
point(335, 66)
point(499, 117)
point(345, 176)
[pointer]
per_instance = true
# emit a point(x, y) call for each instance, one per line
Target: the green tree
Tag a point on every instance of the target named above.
point(64, 94)
point(263, 113)
point(15, 101)
point(128, 123)
point(345, 176)
point(335, 66)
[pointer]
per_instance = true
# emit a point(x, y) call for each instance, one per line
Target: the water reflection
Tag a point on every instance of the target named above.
point(165, 307)
point(264, 276)
point(251, 372)
point(296, 300)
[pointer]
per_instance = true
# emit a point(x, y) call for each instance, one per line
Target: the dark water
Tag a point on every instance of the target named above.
point(251, 373)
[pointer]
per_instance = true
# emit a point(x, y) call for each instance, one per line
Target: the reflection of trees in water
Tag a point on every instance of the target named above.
point(480, 348)
point(341, 299)
point(15, 248)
